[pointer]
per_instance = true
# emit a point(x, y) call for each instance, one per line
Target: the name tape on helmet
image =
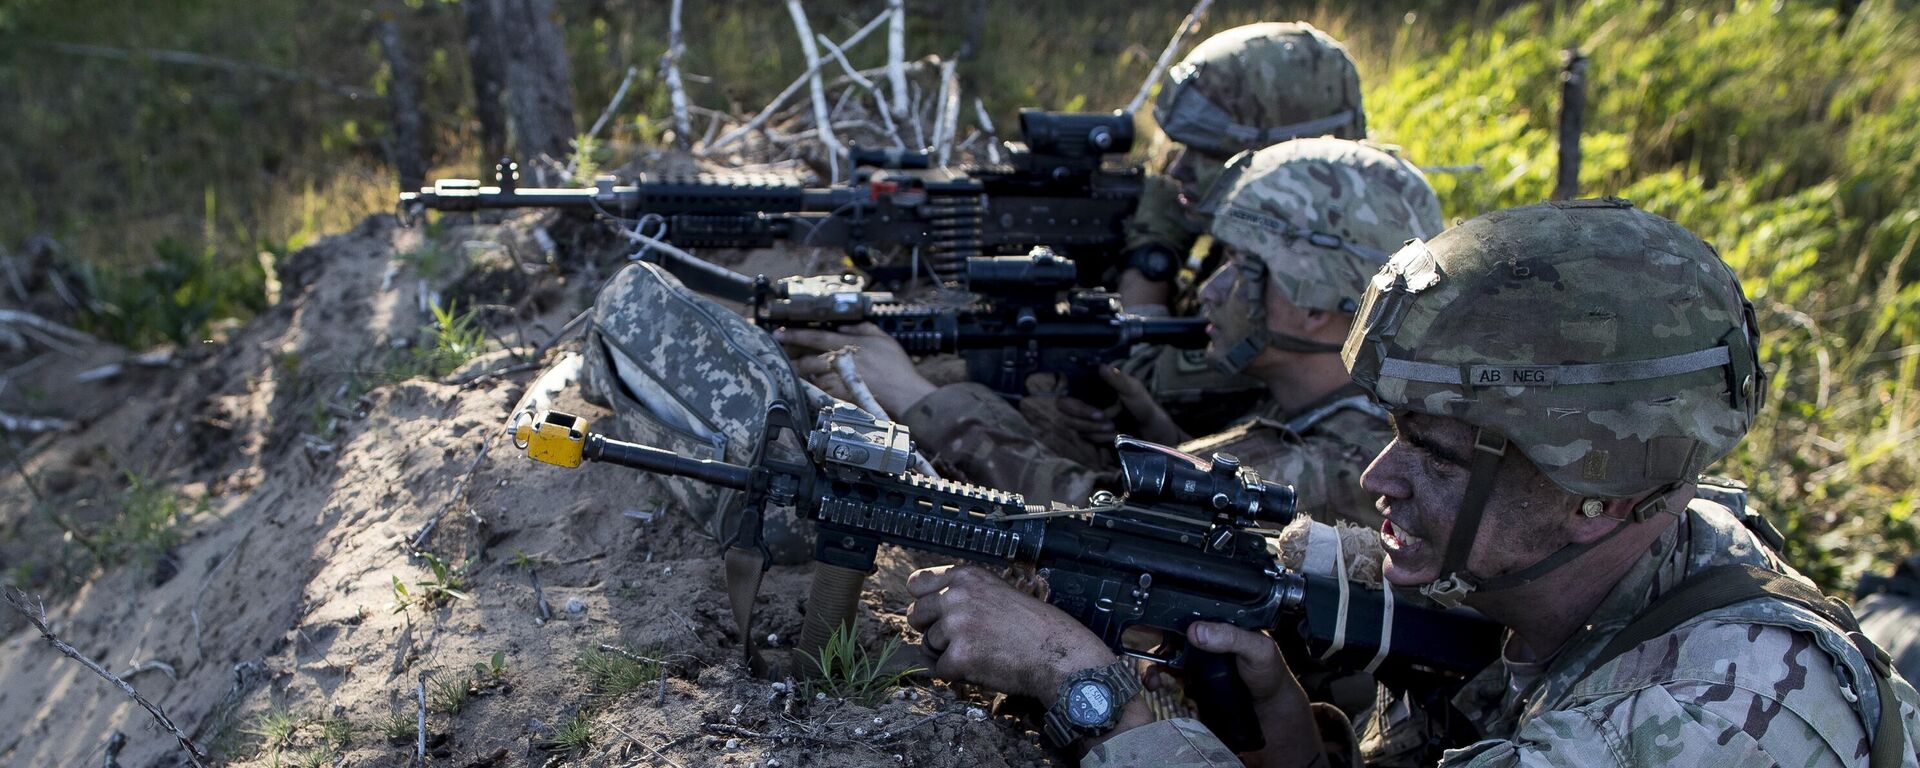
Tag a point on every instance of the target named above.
point(1486, 375)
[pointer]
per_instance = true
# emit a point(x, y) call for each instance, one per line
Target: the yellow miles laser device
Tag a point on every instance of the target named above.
point(554, 438)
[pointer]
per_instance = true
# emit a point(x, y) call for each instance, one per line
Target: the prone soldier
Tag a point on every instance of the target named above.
point(1304, 222)
point(1559, 374)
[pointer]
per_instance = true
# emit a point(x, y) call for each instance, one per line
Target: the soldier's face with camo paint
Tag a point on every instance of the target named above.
point(1195, 172)
point(1421, 478)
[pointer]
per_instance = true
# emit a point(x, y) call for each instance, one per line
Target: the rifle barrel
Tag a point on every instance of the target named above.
point(647, 459)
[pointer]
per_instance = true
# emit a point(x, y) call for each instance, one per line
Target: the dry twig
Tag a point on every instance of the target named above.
point(36, 614)
point(821, 118)
point(1187, 27)
point(947, 111)
point(896, 54)
point(643, 745)
point(767, 112)
point(459, 492)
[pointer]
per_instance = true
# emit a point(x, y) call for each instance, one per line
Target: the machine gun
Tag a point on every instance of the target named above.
point(1183, 544)
point(1024, 319)
point(1055, 190)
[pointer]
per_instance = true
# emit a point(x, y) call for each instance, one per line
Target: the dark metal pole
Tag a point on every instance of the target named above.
point(1573, 113)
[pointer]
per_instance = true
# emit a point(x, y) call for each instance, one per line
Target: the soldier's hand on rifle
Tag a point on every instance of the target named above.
point(1279, 703)
point(989, 633)
point(1150, 421)
point(881, 363)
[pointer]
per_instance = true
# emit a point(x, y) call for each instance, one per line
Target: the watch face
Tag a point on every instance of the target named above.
point(1089, 704)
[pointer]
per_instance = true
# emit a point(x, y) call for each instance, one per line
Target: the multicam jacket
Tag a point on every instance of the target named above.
point(1760, 683)
point(1321, 449)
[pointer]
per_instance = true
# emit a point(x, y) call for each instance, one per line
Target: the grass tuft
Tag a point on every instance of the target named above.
point(611, 674)
point(844, 669)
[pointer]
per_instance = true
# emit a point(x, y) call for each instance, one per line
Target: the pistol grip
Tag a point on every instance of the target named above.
point(1221, 698)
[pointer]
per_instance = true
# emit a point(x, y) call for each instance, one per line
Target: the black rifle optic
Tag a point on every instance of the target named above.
point(1183, 544)
point(1025, 318)
point(1056, 190)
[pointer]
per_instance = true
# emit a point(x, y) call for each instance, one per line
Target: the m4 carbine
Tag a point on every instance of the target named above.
point(1183, 544)
point(1056, 190)
point(1021, 316)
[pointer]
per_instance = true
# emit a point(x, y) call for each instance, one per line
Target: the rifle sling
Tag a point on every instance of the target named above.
point(1726, 585)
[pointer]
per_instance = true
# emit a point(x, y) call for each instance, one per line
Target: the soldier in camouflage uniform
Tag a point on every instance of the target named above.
point(1242, 89)
point(1559, 374)
point(1305, 222)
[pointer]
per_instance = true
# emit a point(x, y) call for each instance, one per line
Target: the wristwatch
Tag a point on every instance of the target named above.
point(1090, 701)
point(1157, 263)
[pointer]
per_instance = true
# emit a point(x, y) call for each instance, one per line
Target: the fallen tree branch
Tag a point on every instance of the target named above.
point(1187, 27)
point(619, 95)
point(643, 745)
point(38, 323)
point(36, 614)
point(773, 106)
point(459, 492)
point(15, 423)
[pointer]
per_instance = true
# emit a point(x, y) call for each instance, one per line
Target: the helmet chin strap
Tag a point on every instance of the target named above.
point(1241, 354)
point(1456, 582)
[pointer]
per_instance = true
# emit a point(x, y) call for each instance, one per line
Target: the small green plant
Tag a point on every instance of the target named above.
point(147, 524)
point(274, 728)
point(400, 725)
point(523, 560)
point(336, 732)
point(449, 693)
point(492, 670)
point(402, 599)
point(846, 671)
point(612, 674)
point(574, 734)
point(447, 581)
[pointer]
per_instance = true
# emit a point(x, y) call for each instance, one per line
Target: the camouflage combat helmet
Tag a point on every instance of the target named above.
point(1261, 84)
point(1612, 347)
point(1319, 216)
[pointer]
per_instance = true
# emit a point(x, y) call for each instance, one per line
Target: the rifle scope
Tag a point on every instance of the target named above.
point(1156, 474)
point(1077, 135)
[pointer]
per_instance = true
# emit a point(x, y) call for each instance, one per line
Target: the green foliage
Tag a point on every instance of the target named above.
point(1783, 134)
point(274, 728)
point(174, 298)
point(574, 734)
point(401, 725)
point(493, 669)
point(611, 674)
point(448, 693)
point(452, 340)
point(846, 671)
point(299, 741)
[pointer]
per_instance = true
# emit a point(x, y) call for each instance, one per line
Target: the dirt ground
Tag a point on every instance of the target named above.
point(307, 474)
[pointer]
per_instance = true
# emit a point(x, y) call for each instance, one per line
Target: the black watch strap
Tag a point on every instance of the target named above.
point(1121, 681)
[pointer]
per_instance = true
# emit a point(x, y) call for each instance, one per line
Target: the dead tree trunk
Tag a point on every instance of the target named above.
point(403, 98)
point(486, 58)
point(539, 92)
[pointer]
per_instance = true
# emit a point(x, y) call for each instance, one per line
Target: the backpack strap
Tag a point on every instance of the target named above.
point(1726, 585)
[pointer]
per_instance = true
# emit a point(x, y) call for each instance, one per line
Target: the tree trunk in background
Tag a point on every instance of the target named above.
point(486, 57)
point(403, 97)
point(539, 93)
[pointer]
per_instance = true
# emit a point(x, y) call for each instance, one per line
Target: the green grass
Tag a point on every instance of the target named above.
point(574, 734)
point(448, 693)
point(611, 674)
point(843, 669)
point(447, 343)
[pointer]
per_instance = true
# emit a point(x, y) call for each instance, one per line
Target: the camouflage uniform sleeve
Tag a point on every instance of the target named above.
point(1780, 702)
point(1177, 743)
point(1324, 464)
point(968, 427)
point(1159, 220)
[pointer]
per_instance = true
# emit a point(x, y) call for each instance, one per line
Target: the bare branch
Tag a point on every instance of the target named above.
point(947, 110)
point(36, 614)
point(677, 90)
point(459, 492)
point(896, 54)
point(886, 115)
point(766, 112)
point(986, 126)
point(821, 117)
point(1187, 27)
